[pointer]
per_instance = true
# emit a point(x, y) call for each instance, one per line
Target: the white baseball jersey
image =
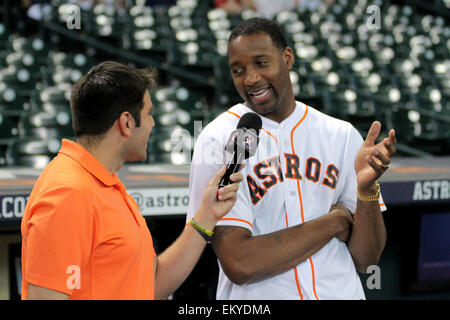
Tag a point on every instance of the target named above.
point(303, 165)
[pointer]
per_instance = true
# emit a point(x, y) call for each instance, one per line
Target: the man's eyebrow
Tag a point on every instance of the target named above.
point(258, 56)
point(261, 56)
point(234, 64)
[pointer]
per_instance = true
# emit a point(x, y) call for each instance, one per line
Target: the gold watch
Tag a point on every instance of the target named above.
point(369, 198)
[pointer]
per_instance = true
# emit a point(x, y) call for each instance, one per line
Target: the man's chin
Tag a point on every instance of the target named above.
point(136, 158)
point(261, 109)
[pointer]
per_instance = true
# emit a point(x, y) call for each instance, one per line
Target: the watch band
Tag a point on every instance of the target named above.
point(369, 198)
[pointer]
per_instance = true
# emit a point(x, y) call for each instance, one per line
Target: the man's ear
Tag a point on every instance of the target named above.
point(126, 124)
point(288, 56)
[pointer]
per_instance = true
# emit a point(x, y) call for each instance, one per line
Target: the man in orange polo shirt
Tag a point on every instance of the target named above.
point(83, 234)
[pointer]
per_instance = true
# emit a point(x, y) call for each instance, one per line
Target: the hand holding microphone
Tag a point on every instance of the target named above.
point(242, 144)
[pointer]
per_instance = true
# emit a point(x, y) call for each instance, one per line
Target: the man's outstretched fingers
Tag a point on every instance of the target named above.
point(373, 133)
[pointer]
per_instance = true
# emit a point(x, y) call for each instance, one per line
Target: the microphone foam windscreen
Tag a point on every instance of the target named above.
point(250, 120)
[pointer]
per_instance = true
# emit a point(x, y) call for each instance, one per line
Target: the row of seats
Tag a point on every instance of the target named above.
point(398, 73)
point(33, 122)
point(34, 105)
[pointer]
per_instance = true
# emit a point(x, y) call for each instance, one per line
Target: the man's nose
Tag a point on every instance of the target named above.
point(251, 77)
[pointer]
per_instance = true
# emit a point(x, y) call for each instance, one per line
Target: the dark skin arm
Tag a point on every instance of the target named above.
point(264, 256)
point(368, 236)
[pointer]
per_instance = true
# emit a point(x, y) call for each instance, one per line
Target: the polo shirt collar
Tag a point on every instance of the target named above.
point(89, 162)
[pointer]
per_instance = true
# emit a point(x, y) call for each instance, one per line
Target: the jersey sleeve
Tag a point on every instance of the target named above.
point(241, 215)
point(59, 240)
point(206, 161)
point(348, 194)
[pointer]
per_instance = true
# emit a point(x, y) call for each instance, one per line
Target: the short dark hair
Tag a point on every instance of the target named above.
point(100, 96)
point(260, 25)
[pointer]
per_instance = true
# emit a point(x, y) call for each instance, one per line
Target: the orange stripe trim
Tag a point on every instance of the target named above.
point(301, 206)
point(382, 204)
point(276, 140)
point(298, 283)
point(234, 114)
point(234, 219)
point(286, 218)
point(295, 268)
point(293, 151)
point(313, 278)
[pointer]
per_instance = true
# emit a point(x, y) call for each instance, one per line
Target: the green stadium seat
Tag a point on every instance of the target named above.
point(10, 98)
point(171, 144)
point(406, 123)
point(35, 45)
point(148, 29)
point(8, 126)
point(59, 94)
point(225, 92)
point(191, 42)
point(76, 61)
point(3, 36)
point(45, 125)
point(20, 79)
point(31, 152)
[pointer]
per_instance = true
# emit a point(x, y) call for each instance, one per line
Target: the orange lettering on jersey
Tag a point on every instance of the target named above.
point(256, 192)
point(292, 166)
point(312, 171)
point(332, 175)
point(265, 174)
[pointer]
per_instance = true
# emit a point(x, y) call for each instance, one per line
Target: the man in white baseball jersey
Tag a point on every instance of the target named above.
point(290, 234)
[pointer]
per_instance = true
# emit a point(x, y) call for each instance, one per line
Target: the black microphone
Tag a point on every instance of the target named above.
point(242, 144)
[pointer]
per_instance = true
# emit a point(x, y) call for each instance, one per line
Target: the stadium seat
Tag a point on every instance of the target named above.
point(3, 36)
point(8, 126)
point(46, 125)
point(31, 152)
point(10, 98)
point(191, 42)
point(148, 29)
point(59, 94)
point(171, 144)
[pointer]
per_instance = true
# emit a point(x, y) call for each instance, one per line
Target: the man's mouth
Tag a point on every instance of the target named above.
point(260, 95)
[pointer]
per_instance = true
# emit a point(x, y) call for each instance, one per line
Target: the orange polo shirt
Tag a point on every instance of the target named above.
point(83, 234)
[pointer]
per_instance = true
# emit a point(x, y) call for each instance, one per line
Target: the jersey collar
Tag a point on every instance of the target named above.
point(298, 113)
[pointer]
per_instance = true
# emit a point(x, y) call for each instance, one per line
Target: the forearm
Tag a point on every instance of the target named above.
point(280, 267)
point(368, 236)
point(176, 263)
point(267, 255)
